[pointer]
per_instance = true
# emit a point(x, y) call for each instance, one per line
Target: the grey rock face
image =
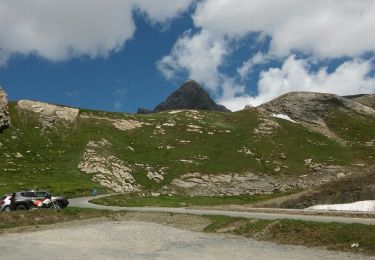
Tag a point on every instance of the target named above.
point(366, 99)
point(4, 113)
point(310, 107)
point(189, 96)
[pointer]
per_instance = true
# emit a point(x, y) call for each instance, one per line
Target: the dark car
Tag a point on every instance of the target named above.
point(24, 200)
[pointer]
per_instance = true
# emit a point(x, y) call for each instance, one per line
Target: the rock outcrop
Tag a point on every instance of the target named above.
point(310, 109)
point(4, 113)
point(364, 99)
point(49, 112)
point(189, 96)
point(106, 169)
point(121, 124)
point(346, 189)
point(198, 184)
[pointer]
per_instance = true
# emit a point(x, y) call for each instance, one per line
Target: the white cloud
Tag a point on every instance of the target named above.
point(118, 104)
point(120, 94)
point(236, 103)
point(162, 10)
point(233, 94)
point(247, 66)
point(351, 77)
point(200, 55)
point(325, 28)
point(321, 29)
point(72, 93)
point(59, 30)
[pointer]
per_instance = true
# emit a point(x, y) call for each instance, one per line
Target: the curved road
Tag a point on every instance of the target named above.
point(280, 213)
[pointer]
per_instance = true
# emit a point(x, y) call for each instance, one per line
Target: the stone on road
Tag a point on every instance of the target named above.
point(141, 240)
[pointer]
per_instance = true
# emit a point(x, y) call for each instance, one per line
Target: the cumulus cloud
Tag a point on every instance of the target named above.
point(162, 10)
point(247, 66)
point(200, 55)
point(325, 28)
point(59, 30)
point(321, 30)
point(351, 77)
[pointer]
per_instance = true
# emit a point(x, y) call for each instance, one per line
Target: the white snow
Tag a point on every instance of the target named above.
point(366, 205)
point(282, 116)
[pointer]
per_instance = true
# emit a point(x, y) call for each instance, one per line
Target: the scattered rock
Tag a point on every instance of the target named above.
point(186, 161)
point(121, 124)
point(246, 151)
point(266, 126)
point(155, 194)
point(249, 106)
point(155, 173)
point(125, 125)
point(18, 155)
point(159, 130)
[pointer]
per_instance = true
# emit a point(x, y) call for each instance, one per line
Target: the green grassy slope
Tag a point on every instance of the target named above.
point(50, 156)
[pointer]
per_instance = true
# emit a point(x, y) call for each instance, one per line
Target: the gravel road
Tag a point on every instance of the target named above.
point(317, 216)
point(141, 240)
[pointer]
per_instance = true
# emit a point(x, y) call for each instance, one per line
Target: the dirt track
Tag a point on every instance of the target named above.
point(141, 240)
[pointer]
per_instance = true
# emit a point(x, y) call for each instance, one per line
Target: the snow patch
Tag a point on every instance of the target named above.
point(366, 205)
point(282, 116)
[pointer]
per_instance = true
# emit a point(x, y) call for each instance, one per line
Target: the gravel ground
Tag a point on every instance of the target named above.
point(141, 240)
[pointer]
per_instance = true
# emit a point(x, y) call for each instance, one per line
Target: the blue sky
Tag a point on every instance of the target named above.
point(123, 81)
point(120, 55)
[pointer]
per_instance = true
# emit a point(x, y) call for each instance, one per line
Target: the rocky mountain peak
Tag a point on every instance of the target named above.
point(190, 96)
point(4, 113)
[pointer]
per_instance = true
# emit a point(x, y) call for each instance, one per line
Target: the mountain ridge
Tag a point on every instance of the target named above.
point(192, 152)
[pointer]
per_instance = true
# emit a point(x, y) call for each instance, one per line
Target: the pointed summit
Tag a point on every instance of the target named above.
point(190, 96)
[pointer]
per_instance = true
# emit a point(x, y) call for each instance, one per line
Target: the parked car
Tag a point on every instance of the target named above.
point(5, 202)
point(24, 200)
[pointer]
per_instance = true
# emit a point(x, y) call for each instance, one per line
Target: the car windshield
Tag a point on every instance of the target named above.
point(41, 194)
point(28, 194)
